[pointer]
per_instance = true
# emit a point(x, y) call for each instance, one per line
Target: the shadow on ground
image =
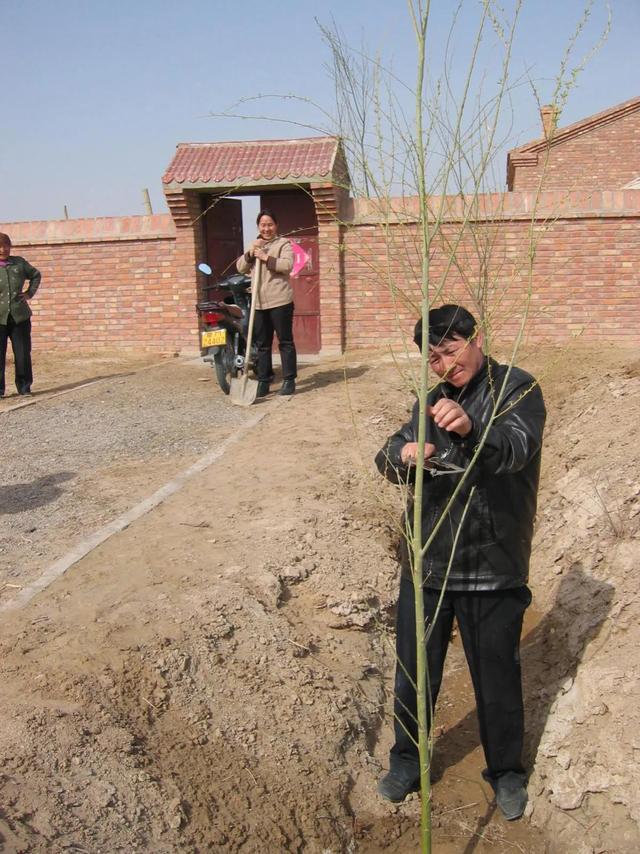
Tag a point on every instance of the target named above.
point(325, 378)
point(551, 655)
point(18, 497)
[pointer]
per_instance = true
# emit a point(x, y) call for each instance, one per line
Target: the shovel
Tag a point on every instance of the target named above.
point(242, 390)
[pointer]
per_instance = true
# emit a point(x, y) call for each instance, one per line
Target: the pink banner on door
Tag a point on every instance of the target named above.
point(300, 258)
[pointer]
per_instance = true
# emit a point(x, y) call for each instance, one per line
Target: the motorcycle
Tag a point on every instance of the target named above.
point(223, 328)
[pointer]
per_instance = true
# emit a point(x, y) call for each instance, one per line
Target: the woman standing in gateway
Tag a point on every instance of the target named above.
point(274, 302)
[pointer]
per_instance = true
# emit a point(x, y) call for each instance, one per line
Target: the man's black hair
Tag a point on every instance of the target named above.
point(446, 322)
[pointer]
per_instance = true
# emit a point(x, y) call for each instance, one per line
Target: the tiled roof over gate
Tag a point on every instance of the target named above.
point(217, 164)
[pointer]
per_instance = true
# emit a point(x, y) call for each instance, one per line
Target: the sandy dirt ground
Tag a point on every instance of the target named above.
point(218, 675)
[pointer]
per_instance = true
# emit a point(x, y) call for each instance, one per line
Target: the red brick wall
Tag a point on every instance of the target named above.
point(585, 277)
point(607, 156)
point(131, 281)
point(107, 282)
point(327, 201)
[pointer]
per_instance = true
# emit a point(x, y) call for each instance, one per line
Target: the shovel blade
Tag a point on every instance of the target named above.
point(243, 391)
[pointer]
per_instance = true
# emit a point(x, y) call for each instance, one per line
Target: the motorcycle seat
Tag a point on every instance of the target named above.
point(239, 281)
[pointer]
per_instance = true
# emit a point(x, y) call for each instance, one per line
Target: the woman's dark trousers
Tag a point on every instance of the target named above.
point(267, 321)
point(490, 625)
point(20, 335)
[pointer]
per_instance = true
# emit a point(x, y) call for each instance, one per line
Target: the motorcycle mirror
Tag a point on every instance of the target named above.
point(205, 268)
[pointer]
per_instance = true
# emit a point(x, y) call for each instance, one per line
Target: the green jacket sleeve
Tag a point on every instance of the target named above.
point(34, 276)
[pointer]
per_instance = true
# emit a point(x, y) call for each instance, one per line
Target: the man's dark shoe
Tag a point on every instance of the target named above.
point(263, 388)
point(288, 387)
point(511, 794)
point(397, 784)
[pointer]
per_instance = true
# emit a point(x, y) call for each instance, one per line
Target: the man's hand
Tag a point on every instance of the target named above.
point(24, 297)
point(450, 416)
point(409, 452)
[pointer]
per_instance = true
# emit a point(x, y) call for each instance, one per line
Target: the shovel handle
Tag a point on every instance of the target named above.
point(255, 286)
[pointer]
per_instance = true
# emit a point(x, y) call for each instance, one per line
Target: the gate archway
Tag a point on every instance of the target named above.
point(305, 182)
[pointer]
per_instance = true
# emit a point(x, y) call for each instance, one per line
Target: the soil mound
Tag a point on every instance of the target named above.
point(219, 675)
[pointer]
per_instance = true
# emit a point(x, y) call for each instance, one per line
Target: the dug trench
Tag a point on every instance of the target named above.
point(219, 675)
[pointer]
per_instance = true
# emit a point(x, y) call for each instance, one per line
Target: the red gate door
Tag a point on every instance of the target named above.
point(297, 220)
point(223, 224)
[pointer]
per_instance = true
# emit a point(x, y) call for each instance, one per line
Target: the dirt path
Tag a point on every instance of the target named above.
point(218, 676)
point(76, 455)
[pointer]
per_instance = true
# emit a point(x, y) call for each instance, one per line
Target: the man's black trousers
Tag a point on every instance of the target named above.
point(490, 625)
point(20, 335)
point(280, 320)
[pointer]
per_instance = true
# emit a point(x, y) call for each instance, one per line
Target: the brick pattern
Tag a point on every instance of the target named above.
point(107, 283)
point(186, 209)
point(584, 277)
point(131, 282)
point(604, 156)
point(564, 204)
point(328, 200)
point(106, 228)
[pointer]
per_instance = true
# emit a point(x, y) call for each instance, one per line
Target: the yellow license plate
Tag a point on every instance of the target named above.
point(214, 338)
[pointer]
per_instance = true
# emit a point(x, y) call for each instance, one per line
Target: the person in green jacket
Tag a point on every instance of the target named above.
point(15, 314)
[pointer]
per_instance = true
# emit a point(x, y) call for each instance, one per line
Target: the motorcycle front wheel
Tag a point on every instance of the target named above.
point(224, 363)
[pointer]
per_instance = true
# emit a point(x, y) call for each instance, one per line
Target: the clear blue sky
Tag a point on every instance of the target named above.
point(97, 93)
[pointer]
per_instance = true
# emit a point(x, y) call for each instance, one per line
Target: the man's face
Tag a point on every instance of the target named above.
point(456, 360)
point(5, 250)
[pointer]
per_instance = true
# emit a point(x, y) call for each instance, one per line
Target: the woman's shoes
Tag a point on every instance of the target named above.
point(288, 387)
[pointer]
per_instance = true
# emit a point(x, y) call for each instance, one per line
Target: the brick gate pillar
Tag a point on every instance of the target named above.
point(328, 199)
point(185, 208)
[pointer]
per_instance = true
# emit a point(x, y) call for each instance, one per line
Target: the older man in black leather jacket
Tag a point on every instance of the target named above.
point(497, 414)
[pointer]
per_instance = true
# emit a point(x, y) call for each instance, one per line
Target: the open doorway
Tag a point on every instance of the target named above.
point(250, 210)
point(230, 224)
